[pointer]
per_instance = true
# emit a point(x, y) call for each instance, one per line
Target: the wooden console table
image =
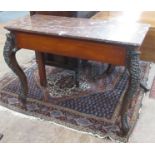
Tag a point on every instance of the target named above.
point(105, 41)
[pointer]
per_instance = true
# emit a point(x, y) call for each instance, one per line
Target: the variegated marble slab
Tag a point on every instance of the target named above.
point(108, 31)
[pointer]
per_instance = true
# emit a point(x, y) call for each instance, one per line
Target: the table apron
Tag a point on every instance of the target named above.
point(77, 48)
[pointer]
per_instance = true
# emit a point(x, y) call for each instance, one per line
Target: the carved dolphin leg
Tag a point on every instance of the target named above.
point(133, 69)
point(10, 58)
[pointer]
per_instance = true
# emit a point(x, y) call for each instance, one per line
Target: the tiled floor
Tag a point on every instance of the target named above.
point(21, 128)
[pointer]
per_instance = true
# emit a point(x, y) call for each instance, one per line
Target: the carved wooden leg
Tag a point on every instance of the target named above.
point(10, 58)
point(133, 69)
point(41, 68)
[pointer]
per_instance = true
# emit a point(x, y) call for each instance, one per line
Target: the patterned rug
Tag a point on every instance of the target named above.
point(94, 107)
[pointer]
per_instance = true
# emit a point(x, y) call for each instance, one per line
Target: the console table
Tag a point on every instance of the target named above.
point(89, 39)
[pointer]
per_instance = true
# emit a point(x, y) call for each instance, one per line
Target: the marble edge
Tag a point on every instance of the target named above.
point(9, 28)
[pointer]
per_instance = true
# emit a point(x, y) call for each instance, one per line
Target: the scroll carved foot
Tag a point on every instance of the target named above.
point(144, 86)
point(10, 58)
point(133, 69)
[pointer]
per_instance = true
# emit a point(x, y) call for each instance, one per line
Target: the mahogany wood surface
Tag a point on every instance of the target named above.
point(75, 48)
point(41, 68)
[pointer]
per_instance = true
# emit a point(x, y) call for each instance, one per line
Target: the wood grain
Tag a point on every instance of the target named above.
point(41, 68)
point(83, 49)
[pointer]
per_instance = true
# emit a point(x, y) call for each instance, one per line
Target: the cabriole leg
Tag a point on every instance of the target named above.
point(133, 69)
point(10, 58)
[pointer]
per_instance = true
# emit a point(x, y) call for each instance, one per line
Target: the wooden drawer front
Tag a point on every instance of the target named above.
point(72, 47)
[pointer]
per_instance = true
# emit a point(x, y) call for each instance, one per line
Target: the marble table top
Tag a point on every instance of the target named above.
point(107, 31)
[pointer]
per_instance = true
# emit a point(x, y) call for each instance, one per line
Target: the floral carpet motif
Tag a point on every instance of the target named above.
point(93, 107)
